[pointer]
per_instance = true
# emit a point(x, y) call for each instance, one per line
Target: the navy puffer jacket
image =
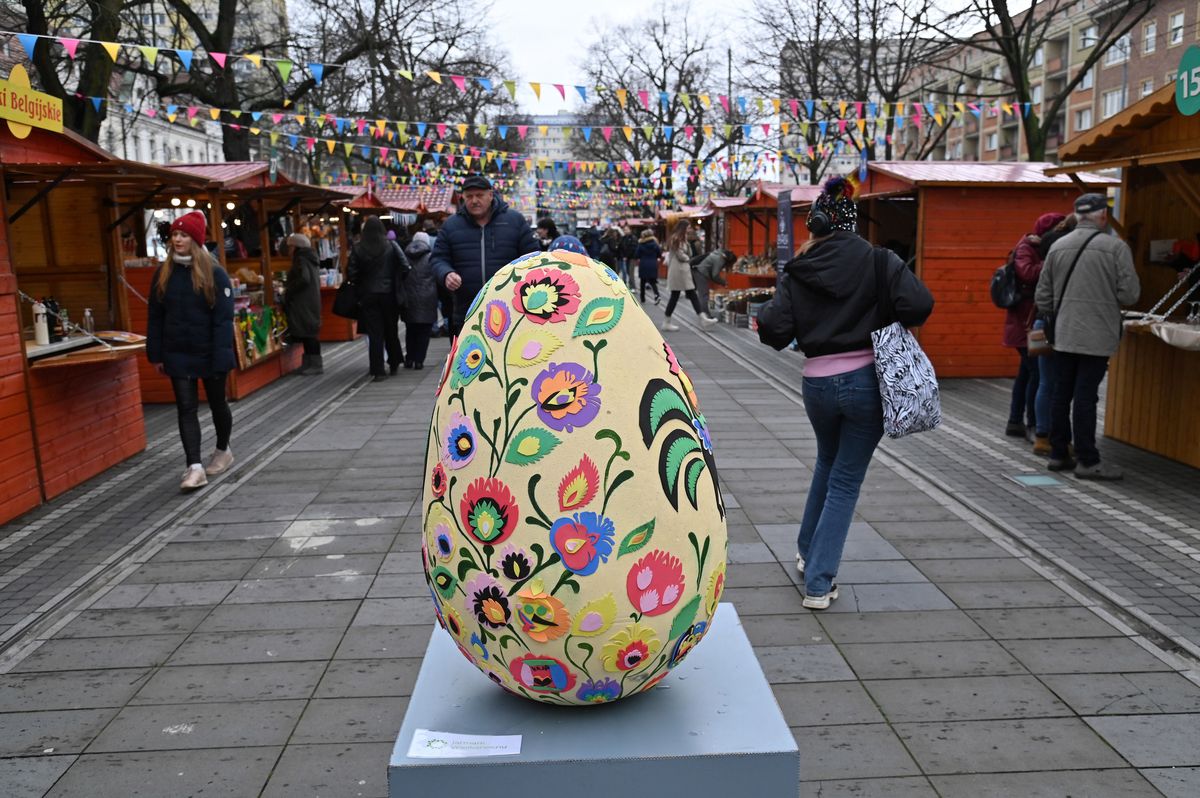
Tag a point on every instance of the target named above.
point(188, 337)
point(477, 253)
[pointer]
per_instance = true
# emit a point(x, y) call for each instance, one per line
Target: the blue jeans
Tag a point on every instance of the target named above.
point(1073, 412)
point(1024, 390)
point(1045, 389)
point(847, 416)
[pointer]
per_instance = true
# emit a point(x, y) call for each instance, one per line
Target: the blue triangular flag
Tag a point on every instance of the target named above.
point(96, 103)
point(745, 130)
point(899, 123)
point(582, 92)
point(667, 131)
point(292, 140)
point(663, 99)
point(808, 108)
point(256, 115)
point(871, 109)
point(128, 108)
point(1027, 107)
point(486, 83)
point(185, 58)
point(587, 133)
point(503, 131)
point(931, 108)
point(742, 104)
point(29, 42)
point(318, 71)
point(822, 126)
point(437, 157)
point(421, 126)
point(341, 126)
point(172, 109)
point(366, 151)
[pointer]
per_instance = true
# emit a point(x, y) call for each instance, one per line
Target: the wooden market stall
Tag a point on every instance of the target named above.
point(1155, 377)
point(250, 210)
point(70, 408)
point(956, 221)
point(749, 228)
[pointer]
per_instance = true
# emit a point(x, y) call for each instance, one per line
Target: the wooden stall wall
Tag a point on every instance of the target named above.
point(964, 234)
point(19, 489)
point(60, 248)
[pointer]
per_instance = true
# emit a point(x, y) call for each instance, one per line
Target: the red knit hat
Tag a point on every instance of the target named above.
point(194, 224)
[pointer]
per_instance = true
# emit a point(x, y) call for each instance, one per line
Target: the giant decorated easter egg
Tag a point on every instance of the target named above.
point(574, 533)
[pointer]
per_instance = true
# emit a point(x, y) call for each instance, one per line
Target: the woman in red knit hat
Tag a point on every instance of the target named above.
point(190, 339)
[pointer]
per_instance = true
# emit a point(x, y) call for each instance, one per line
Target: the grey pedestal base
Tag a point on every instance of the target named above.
point(712, 728)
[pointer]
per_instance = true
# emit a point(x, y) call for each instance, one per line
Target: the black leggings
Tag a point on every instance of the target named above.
point(187, 402)
point(417, 338)
point(653, 283)
point(674, 300)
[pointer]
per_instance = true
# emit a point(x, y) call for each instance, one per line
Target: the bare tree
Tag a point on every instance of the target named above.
point(1018, 39)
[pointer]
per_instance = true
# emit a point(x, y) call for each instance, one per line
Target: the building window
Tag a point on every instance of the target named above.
point(1039, 57)
point(1088, 80)
point(1087, 37)
point(1119, 52)
point(991, 141)
point(1149, 36)
point(1036, 95)
point(1175, 26)
point(1114, 101)
point(1147, 87)
point(1083, 119)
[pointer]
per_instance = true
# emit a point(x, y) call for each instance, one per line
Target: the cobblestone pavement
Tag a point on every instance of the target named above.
point(251, 639)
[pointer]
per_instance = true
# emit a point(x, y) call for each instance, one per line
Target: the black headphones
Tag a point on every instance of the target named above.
point(819, 223)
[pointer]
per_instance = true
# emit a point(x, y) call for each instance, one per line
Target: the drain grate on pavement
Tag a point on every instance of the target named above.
point(1035, 480)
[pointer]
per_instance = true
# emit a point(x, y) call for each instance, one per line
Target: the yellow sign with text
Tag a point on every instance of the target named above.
point(25, 108)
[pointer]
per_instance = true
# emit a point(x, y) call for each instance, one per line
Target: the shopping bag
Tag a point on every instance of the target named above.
point(345, 301)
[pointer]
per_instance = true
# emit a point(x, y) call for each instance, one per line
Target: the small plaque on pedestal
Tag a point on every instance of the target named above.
point(712, 728)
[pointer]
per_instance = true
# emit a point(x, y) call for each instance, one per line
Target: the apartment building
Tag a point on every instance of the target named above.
point(1135, 66)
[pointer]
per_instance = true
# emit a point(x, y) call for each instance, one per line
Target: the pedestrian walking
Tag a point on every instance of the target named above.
point(1045, 388)
point(1088, 276)
point(708, 272)
point(828, 301)
point(545, 232)
point(421, 308)
point(648, 252)
point(473, 244)
point(190, 339)
point(629, 243)
point(378, 268)
point(679, 276)
point(302, 302)
point(1018, 320)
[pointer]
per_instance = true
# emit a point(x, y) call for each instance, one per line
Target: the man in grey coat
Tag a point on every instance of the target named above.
point(1088, 276)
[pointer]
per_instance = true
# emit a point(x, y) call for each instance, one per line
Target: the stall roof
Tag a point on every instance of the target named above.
point(1111, 139)
point(724, 203)
point(968, 173)
point(419, 199)
point(227, 174)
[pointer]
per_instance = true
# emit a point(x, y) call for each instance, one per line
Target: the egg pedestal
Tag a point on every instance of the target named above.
point(574, 535)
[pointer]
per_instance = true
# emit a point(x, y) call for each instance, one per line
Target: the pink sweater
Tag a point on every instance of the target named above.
point(841, 363)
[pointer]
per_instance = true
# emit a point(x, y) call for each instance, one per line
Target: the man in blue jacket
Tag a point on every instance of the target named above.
point(476, 242)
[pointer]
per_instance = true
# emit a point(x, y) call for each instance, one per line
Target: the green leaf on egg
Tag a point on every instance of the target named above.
point(636, 539)
point(599, 316)
point(529, 446)
point(683, 621)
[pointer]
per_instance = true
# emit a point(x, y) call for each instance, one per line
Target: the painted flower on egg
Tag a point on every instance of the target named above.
point(489, 602)
point(495, 320)
point(541, 674)
point(468, 362)
point(546, 295)
point(460, 441)
point(629, 648)
point(600, 691)
point(542, 616)
point(583, 541)
point(595, 618)
point(566, 396)
point(515, 564)
point(437, 481)
point(655, 583)
point(488, 511)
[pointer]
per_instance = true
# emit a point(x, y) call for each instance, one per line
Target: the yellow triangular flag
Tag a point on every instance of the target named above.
point(329, 144)
point(254, 59)
point(544, 129)
point(274, 137)
point(622, 96)
point(112, 48)
point(708, 131)
point(862, 125)
point(842, 109)
point(171, 118)
point(775, 103)
point(628, 133)
point(436, 77)
point(537, 89)
point(462, 131)
point(215, 113)
point(256, 130)
point(467, 160)
point(300, 118)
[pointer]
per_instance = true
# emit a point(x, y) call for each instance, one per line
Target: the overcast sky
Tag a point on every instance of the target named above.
point(547, 40)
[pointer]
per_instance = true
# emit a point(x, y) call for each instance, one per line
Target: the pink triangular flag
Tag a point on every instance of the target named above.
point(460, 82)
point(151, 112)
point(277, 118)
point(219, 58)
point(522, 130)
point(724, 102)
point(607, 132)
point(441, 130)
point(562, 90)
point(688, 130)
point(192, 111)
point(70, 45)
point(644, 96)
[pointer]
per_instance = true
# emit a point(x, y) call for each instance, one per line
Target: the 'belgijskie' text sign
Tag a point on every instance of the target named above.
point(25, 108)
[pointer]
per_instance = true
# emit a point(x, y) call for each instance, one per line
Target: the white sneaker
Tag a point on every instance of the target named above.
point(800, 565)
point(821, 602)
point(668, 325)
point(707, 321)
point(219, 463)
point(193, 478)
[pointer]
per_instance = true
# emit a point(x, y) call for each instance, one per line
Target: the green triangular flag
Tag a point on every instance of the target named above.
point(285, 69)
point(648, 131)
point(150, 54)
point(511, 85)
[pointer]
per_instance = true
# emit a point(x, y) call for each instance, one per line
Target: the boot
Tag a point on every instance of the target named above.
point(1041, 446)
point(315, 366)
point(305, 364)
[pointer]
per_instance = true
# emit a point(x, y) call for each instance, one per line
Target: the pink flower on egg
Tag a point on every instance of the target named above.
point(655, 583)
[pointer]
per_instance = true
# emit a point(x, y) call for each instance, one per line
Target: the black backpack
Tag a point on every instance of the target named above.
point(1006, 291)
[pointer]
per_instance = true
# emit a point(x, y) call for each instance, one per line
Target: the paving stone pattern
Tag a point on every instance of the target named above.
point(265, 647)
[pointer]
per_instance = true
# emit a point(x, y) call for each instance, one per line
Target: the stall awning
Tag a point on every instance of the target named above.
point(997, 174)
point(725, 203)
point(419, 199)
point(1119, 141)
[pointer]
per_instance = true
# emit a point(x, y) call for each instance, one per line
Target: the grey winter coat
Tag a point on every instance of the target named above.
point(679, 270)
point(422, 285)
point(1089, 315)
point(303, 298)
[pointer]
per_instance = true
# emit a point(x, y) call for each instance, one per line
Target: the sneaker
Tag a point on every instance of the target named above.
point(707, 322)
point(1098, 471)
point(1063, 464)
point(378, 377)
point(1030, 433)
point(1015, 429)
point(821, 602)
point(418, 366)
point(800, 565)
point(668, 325)
point(219, 463)
point(1041, 445)
point(193, 478)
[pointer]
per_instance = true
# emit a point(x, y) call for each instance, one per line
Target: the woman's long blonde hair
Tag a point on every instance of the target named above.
point(202, 273)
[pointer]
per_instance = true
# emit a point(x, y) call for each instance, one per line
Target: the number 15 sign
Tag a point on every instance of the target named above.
point(1187, 82)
